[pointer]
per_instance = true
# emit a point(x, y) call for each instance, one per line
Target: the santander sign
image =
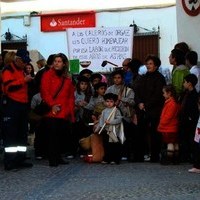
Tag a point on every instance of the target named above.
point(60, 22)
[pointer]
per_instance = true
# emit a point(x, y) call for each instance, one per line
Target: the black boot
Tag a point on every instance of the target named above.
point(10, 161)
point(176, 158)
point(21, 157)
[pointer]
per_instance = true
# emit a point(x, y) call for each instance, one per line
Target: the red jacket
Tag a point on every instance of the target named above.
point(50, 84)
point(13, 84)
point(169, 117)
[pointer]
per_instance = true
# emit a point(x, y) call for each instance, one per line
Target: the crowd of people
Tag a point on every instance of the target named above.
point(126, 115)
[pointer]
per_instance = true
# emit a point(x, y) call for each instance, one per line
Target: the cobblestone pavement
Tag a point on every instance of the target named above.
point(84, 181)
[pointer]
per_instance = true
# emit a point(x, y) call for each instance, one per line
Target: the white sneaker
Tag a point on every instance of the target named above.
point(70, 157)
point(194, 170)
point(147, 158)
point(124, 158)
point(38, 157)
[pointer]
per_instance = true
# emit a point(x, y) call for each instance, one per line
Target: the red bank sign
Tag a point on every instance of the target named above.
point(60, 22)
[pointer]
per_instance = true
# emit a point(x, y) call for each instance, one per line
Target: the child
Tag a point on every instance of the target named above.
point(189, 115)
point(91, 113)
point(82, 97)
point(97, 98)
point(168, 126)
point(111, 128)
point(94, 79)
point(125, 103)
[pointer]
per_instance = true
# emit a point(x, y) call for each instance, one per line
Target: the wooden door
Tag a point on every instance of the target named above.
point(144, 44)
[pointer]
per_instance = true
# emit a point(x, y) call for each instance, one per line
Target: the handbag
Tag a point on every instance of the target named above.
point(43, 108)
point(85, 143)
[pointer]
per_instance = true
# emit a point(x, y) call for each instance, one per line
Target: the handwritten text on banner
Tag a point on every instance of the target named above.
point(99, 44)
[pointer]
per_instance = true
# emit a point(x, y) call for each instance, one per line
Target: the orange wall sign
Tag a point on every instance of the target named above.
point(60, 22)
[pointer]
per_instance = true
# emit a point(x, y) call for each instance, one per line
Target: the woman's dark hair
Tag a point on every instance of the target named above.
point(155, 59)
point(32, 70)
point(170, 88)
point(50, 59)
point(65, 61)
point(62, 56)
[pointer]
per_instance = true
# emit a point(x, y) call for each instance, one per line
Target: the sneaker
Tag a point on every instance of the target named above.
point(113, 163)
point(124, 158)
point(147, 158)
point(70, 157)
point(104, 162)
point(194, 170)
point(38, 157)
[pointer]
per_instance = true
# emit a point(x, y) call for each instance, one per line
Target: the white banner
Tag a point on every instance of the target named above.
point(99, 44)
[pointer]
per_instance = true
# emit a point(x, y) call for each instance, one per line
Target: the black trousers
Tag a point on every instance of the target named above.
point(14, 129)
point(57, 131)
point(147, 129)
point(112, 151)
point(186, 140)
point(14, 123)
point(40, 142)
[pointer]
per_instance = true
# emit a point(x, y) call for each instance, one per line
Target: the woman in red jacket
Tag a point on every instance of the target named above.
point(168, 125)
point(57, 91)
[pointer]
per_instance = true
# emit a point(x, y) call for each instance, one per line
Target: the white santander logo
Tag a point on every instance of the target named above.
point(53, 23)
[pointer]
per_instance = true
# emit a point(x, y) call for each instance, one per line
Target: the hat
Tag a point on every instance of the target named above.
point(24, 55)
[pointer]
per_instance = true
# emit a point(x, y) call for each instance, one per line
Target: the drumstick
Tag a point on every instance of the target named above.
point(113, 110)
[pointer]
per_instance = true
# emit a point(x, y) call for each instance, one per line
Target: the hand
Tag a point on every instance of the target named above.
point(82, 103)
point(107, 122)
point(117, 102)
point(28, 78)
point(94, 118)
point(55, 109)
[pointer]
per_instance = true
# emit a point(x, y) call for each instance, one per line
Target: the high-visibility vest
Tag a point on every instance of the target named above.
point(15, 149)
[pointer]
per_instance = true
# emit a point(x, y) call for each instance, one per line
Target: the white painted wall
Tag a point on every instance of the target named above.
point(53, 42)
point(188, 28)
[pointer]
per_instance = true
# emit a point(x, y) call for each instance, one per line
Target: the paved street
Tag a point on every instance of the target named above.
point(83, 181)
